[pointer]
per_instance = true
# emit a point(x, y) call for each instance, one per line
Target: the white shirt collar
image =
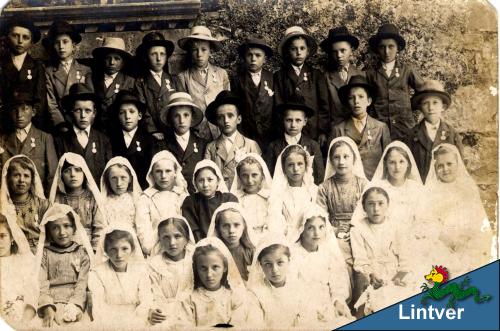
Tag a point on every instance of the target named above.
point(130, 133)
point(363, 120)
point(389, 66)
point(19, 57)
point(430, 126)
point(77, 130)
point(292, 140)
point(297, 69)
point(184, 137)
point(113, 76)
point(231, 138)
point(26, 129)
point(256, 74)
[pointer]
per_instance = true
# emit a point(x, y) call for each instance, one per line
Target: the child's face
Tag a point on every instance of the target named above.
point(21, 115)
point(64, 46)
point(200, 53)
point(19, 40)
point(342, 160)
point(61, 231)
point(294, 121)
point(210, 268)
point(432, 107)
point(387, 50)
point(298, 51)
point(19, 181)
point(119, 180)
point(207, 182)
point(73, 177)
point(375, 207)
point(231, 227)
point(129, 116)
point(255, 59)
point(164, 175)
point(341, 52)
point(314, 232)
point(446, 167)
point(113, 62)
point(295, 168)
point(157, 57)
point(359, 101)
point(228, 119)
point(251, 177)
point(83, 114)
point(172, 241)
point(397, 165)
point(275, 267)
point(182, 117)
point(6, 240)
point(119, 253)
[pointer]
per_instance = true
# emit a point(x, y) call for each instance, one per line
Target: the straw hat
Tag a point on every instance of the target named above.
point(111, 44)
point(294, 32)
point(428, 88)
point(181, 99)
point(199, 32)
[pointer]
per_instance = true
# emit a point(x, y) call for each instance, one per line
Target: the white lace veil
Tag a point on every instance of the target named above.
point(212, 165)
point(136, 188)
point(180, 185)
point(237, 187)
point(358, 164)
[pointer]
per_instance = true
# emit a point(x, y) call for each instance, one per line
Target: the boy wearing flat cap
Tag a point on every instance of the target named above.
point(231, 145)
point(255, 88)
point(82, 138)
point(128, 136)
point(339, 47)
point(19, 72)
point(109, 78)
point(432, 100)
point(180, 116)
point(63, 70)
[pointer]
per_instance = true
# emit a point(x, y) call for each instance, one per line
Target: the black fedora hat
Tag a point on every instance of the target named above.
point(78, 91)
point(24, 23)
point(356, 81)
point(125, 96)
point(339, 34)
point(154, 39)
point(223, 98)
point(255, 42)
point(295, 102)
point(58, 28)
point(387, 31)
point(20, 98)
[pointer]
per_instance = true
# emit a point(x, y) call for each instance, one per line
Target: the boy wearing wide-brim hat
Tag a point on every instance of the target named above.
point(129, 137)
point(19, 72)
point(254, 85)
point(63, 70)
point(155, 85)
point(371, 135)
point(432, 100)
point(339, 46)
point(180, 116)
point(297, 77)
point(225, 151)
point(293, 116)
point(202, 80)
point(83, 138)
point(393, 80)
point(109, 78)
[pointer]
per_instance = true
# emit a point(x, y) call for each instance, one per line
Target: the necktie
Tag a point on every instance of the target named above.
point(66, 66)
point(343, 74)
point(108, 80)
point(83, 138)
point(359, 125)
point(21, 135)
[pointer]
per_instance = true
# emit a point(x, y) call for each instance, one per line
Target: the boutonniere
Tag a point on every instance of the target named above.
point(169, 87)
point(78, 76)
point(443, 135)
point(195, 148)
point(268, 90)
point(32, 142)
point(396, 72)
point(29, 75)
point(94, 149)
point(214, 77)
point(138, 143)
point(305, 77)
point(117, 88)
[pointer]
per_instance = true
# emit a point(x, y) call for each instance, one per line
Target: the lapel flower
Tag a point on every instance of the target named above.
point(167, 83)
point(268, 90)
point(78, 76)
point(32, 142)
point(214, 77)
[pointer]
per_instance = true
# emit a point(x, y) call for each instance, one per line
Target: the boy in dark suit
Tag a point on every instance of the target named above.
point(254, 86)
point(181, 115)
point(295, 115)
point(82, 138)
point(129, 138)
point(432, 100)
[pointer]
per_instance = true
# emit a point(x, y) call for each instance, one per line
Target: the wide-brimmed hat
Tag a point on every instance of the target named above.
point(223, 98)
point(387, 31)
point(77, 91)
point(20, 98)
point(125, 96)
point(356, 81)
point(428, 88)
point(199, 32)
point(255, 42)
point(339, 34)
point(111, 44)
point(59, 28)
point(24, 23)
point(181, 99)
point(294, 32)
point(295, 102)
point(154, 39)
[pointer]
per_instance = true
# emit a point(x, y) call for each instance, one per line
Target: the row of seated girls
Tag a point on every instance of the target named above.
point(272, 253)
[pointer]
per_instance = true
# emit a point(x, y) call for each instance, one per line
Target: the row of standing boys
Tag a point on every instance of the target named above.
point(171, 169)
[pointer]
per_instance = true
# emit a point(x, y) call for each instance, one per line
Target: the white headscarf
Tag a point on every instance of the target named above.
point(414, 173)
point(23, 247)
point(212, 165)
point(157, 249)
point(55, 212)
point(136, 188)
point(101, 256)
point(211, 232)
point(237, 187)
point(180, 184)
point(358, 164)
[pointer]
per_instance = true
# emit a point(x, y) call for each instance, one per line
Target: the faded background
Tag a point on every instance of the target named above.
point(454, 41)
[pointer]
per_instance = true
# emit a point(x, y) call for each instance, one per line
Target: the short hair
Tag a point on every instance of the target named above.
point(206, 168)
point(203, 251)
point(107, 182)
point(3, 221)
point(289, 42)
point(339, 143)
point(189, 45)
point(116, 235)
point(271, 249)
point(292, 149)
point(249, 160)
point(71, 219)
point(179, 224)
point(25, 163)
point(374, 189)
point(401, 151)
point(245, 237)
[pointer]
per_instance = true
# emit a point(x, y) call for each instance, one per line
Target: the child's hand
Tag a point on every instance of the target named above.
point(342, 309)
point(49, 317)
point(376, 281)
point(158, 136)
point(156, 316)
point(71, 312)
